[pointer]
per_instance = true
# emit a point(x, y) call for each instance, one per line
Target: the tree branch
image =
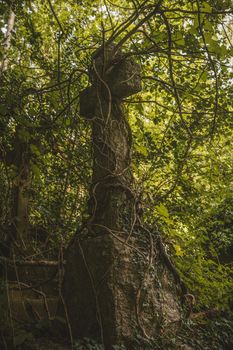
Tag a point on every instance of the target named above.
point(30, 262)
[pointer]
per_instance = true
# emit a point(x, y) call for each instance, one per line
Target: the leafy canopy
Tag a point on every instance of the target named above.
point(181, 121)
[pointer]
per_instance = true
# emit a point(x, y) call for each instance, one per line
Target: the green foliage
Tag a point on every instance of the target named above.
point(181, 124)
point(3, 306)
point(87, 344)
point(213, 334)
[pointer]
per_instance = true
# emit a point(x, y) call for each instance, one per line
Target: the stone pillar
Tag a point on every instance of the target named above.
point(113, 78)
point(115, 287)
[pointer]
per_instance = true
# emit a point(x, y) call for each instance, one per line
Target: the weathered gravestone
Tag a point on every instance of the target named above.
point(115, 288)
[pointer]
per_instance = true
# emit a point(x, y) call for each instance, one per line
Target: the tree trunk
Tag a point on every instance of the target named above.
point(20, 159)
point(7, 41)
point(20, 190)
point(116, 287)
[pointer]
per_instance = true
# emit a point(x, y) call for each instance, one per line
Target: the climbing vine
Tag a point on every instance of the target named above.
point(181, 126)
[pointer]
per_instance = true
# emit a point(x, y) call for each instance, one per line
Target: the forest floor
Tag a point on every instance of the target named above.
point(212, 333)
point(31, 323)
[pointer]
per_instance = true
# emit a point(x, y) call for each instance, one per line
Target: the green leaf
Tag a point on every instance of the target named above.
point(179, 39)
point(214, 47)
point(208, 26)
point(162, 210)
point(206, 7)
point(36, 171)
point(35, 150)
point(196, 22)
point(215, 38)
point(208, 37)
point(224, 51)
point(141, 149)
point(204, 76)
point(178, 250)
point(67, 121)
point(158, 37)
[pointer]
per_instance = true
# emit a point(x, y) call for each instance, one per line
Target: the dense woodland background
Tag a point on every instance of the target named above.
point(181, 126)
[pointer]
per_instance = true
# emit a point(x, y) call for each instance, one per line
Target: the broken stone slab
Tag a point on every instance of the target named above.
point(124, 79)
point(120, 77)
point(116, 293)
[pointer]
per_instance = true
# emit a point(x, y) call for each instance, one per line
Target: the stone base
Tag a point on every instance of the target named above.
point(115, 291)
